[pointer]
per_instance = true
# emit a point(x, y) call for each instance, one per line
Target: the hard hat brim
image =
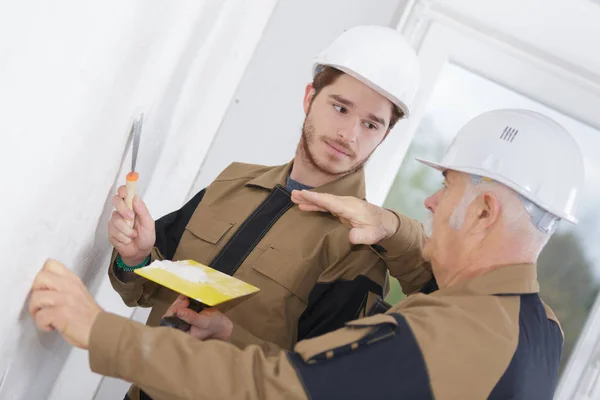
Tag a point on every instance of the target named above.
point(432, 164)
point(399, 104)
point(441, 167)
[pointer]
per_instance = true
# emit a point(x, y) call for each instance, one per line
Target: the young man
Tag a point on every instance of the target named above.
point(485, 334)
point(312, 279)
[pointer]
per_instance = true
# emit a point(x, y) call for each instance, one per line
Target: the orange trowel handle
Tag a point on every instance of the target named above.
point(174, 322)
point(131, 185)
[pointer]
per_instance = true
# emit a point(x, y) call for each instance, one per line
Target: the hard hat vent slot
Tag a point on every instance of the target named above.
point(509, 134)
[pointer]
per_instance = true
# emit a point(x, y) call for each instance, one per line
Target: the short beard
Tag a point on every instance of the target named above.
point(308, 137)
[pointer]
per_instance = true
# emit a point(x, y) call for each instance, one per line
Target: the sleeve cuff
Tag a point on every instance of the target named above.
point(104, 342)
point(404, 238)
point(241, 338)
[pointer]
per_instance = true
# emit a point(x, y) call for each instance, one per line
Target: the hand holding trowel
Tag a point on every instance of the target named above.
point(131, 228)
point(132, 177)
point(204, 286)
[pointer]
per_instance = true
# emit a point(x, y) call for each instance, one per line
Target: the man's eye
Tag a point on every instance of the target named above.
point(370, 126)
point(340, 109)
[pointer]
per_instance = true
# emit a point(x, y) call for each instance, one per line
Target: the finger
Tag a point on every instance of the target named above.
point(219, 326)
point(41, 299)
point(366, 235)
point(122, 226)
point(54, 276)
point(45, 319)
point(182, 302)
point(124, 211)
point(137, 226)
point(145, 219)
point(329, 202)
point(200, 325)
point(56, 267)
point(122, 192)
point(182, 297)
point(113, 217)
point(119, 240)
point(179, 303)
point(201, 334)
point(45, 280)
point(310, 207)
point(298, 196)
point(193, 318)
point(117, 236)
point(301, 197)
point(118, 224)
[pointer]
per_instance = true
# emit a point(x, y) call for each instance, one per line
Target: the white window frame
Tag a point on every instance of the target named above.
point(439, 36)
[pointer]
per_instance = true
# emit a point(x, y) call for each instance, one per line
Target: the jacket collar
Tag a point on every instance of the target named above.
point(506, 279)
point(350, 185)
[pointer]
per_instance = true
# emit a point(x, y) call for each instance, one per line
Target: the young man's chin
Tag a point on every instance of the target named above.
point(334, 168)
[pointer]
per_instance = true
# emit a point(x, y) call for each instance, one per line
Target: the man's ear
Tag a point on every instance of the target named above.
point(487, 210)
point(309, 95)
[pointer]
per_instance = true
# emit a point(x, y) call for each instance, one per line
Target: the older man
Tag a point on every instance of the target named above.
point(510, 176)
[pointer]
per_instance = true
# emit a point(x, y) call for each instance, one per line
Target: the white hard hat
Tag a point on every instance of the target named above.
point(378, 56)
point(524, 150)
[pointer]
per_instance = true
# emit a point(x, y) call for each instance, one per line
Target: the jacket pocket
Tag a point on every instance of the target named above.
point(207, 226)
point(296, 275)
point(203, 236)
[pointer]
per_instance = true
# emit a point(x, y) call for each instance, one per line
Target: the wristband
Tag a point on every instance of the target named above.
point(126, 268)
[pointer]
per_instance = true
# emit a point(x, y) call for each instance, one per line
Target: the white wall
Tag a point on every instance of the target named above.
point(264, 121)
point(73, 74)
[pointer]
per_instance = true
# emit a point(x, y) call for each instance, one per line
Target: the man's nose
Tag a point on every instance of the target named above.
point(350, 131)
point(431, 202)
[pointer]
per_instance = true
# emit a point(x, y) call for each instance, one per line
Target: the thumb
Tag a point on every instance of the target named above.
point(142, 213)
point(365, 235)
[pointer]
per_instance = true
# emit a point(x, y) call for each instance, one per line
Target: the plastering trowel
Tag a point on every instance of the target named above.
point(133, 176)
point(204, 286)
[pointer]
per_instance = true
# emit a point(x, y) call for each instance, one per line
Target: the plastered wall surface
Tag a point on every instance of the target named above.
point(73, 74)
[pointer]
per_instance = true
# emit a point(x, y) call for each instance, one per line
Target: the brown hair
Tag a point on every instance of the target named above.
point(328, 75)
